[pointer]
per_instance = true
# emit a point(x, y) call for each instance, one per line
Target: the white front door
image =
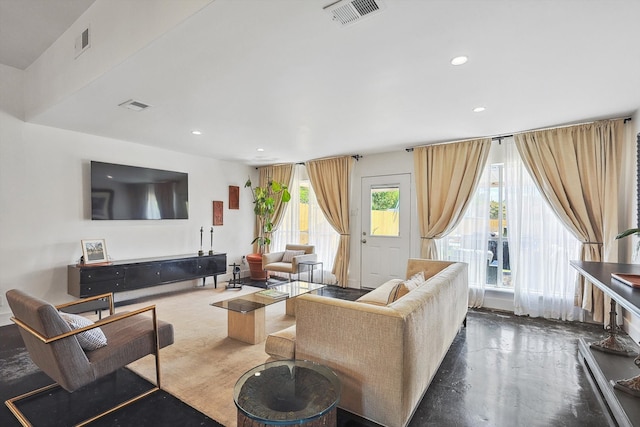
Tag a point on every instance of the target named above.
point(384, 239)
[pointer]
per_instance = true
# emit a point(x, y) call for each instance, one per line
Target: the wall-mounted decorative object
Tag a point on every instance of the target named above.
point(217, 212)
point(94, 251)
point(234, 197)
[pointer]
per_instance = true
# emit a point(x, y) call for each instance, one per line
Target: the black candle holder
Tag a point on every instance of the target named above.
point(211, 249)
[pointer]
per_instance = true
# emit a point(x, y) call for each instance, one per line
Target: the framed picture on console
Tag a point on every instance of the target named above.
point(94, 251)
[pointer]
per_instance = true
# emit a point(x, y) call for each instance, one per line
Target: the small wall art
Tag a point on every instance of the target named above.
point(217, 212)
point(234, 197)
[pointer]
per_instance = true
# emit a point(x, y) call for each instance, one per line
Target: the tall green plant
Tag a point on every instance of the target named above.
point(628, 233)
point(264, 206)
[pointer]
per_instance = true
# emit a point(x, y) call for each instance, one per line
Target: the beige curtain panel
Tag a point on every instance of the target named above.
point(279, 173)
point(331, 181)
point(446, 177)
point(576, 170)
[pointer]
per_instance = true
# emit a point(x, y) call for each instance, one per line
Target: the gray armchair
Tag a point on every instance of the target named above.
point(287, 261)
point(55, 347)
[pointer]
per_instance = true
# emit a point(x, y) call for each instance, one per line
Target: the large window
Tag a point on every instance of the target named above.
point(513, 241)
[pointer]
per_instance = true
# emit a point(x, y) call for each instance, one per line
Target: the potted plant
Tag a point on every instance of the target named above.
point(264, 206)
point(629, 232)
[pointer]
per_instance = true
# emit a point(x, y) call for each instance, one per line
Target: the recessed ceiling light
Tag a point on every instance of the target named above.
point(196, 132)
point(260, 150)
point(459, 60)
point(479, 109)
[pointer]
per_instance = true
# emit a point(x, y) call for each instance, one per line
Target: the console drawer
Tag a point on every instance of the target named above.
point(97, 288)
point(98, 274)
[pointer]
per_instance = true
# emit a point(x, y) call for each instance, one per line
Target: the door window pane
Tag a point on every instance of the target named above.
point(385, 218)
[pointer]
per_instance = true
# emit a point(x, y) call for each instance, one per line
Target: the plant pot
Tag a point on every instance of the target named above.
point(255, 267)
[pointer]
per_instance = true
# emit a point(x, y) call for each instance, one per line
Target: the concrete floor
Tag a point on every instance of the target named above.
point(505, 370)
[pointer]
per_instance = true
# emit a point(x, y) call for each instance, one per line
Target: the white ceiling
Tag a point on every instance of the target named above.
point(281, 76)
point(29, 27)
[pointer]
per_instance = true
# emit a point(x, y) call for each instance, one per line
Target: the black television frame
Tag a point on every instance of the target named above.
point(127, 192)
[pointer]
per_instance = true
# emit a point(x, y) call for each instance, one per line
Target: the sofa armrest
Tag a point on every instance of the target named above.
point(303, 258)
point(97, 324)
point(429, 267)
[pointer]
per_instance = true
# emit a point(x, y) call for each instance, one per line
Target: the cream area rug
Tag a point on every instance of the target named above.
point(203, 364)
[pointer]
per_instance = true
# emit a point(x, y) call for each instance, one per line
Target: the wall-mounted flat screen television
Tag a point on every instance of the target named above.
point(131, 192)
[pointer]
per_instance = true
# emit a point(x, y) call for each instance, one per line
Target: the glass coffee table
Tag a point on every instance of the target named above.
point(246, 313)
point(287, 392)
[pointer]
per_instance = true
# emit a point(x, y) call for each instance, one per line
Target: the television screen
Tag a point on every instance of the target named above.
point(131, 192)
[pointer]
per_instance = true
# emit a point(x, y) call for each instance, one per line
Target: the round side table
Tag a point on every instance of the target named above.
point(287, 392)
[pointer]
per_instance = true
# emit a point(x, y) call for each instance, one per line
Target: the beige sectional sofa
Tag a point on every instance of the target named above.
point(386, 354)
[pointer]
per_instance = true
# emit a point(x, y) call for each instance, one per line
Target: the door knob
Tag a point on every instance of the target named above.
point(364, 240)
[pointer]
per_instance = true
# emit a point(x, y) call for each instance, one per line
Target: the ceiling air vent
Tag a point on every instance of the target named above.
point(134, 105)
point(82, 42)
point(345, 12)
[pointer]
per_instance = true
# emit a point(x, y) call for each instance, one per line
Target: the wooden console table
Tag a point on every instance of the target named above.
point(87, 280)
point(606, 368)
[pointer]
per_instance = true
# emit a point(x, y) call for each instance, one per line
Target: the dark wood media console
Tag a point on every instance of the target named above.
point(127, 275)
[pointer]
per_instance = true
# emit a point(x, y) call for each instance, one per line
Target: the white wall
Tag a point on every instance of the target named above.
point(44, 202)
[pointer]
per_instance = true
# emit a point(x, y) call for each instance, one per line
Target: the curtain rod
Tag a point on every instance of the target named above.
point(499, 138)
point(355, 156)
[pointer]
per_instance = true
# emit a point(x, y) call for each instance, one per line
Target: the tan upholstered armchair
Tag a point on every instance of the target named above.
point(287, 260)
point(74, 351)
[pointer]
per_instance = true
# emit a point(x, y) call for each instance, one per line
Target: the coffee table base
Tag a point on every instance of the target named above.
point(327, 420)
point(247, 327)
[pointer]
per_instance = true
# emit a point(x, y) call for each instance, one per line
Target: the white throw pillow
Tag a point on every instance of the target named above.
point(89, 340)
point(415, 281)
point(288, 255)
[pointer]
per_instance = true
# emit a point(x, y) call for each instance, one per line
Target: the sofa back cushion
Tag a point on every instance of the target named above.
point(289, 254)
point(308, 249)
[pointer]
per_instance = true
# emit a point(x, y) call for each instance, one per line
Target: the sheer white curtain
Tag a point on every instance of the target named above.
point(320, 232)
point(468, 242)
point(540, 247)
point(289, 229)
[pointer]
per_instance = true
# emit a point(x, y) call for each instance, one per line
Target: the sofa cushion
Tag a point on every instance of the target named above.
point(380, 295)
point(89, 340)
point(288, 255)
point(403, 288)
